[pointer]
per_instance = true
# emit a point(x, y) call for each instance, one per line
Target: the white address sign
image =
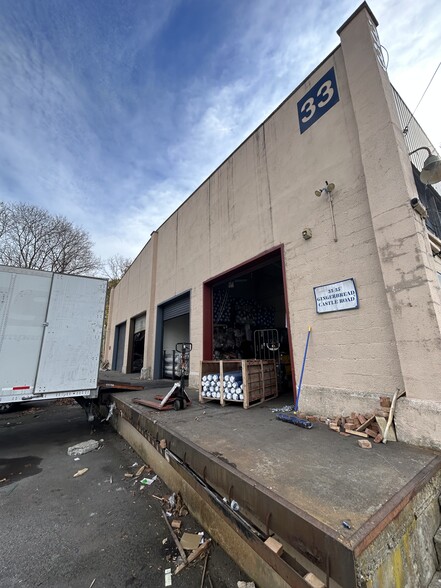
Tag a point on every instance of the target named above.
point(338, 296)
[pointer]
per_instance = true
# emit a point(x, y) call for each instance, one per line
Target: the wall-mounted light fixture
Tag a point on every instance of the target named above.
point(431, 172)
point(328, 189)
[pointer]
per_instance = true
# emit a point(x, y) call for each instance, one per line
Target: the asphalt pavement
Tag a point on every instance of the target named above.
point(102, 529)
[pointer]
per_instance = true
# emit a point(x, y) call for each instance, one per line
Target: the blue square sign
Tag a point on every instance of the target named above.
point(320, 98)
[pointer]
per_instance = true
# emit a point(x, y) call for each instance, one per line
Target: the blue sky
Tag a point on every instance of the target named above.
point(113, 112)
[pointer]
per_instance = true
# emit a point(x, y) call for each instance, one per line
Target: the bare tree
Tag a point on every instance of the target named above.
point(33, 238)
point(4, 218)
point(116, 266)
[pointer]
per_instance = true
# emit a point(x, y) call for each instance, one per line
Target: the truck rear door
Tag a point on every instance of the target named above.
point(71, 345)
point(23, 305)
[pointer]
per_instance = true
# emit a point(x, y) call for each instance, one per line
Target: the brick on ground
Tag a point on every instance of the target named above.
point(364, 444)
point(368, 423)
point(351, 426)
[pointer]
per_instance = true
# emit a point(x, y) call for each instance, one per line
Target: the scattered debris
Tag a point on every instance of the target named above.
point(93, 582)
point(389, 425)
point(175, 539)
point(82, 448)
point(3, 480)
point(287, 408)
point(235, 505)
point(194, 555)
point(242, 584)
point(140, 471)
point(80, 472)
point(364, 444)
point(163, 444)
point(168, 577)
point(190, 541)
point(76, 459)
point(346, 524)
point(176, 524)
point(356, 433)
point(274, 545)
point(175, 505)
point(126, 475)
point(388, 435)
point(294, 420)
point(377, 425)
point(204, 571)
point(110, 413)
point(148, 481)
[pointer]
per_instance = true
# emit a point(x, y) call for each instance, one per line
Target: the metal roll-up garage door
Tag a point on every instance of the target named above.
point(139, 324)
point(176, 308)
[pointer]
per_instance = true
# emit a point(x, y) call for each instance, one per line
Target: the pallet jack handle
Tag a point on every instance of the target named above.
point(183, 347)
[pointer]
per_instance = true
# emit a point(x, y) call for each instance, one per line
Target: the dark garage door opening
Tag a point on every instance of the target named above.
point(248, 315)
point(118, 348)
point(173, 326)
point(138, 342)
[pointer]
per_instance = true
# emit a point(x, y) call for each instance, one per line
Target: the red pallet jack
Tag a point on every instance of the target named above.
point(177, 397)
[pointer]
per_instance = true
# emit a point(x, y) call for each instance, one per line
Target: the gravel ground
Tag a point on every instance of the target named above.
point(101, 529)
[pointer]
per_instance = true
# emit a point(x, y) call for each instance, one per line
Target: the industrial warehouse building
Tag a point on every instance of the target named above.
point(254, 249)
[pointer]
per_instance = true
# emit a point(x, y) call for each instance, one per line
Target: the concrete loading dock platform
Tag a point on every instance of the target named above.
point(304, 487)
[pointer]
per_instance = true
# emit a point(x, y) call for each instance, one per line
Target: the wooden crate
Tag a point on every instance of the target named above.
point(259, 378)
point(260, 381)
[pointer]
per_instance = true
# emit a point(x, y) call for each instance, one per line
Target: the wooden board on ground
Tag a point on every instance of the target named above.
point(382, 422)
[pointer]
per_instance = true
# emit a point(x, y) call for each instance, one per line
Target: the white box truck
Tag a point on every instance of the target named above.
point(51, 327)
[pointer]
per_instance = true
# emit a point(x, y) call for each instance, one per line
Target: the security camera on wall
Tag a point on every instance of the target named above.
point(419, 207)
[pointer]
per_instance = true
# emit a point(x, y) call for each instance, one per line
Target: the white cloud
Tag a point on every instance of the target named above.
point(118, 153)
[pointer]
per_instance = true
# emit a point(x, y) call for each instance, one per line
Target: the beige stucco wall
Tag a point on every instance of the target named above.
point(130, 298)
point(263, 196)
point(405, 258)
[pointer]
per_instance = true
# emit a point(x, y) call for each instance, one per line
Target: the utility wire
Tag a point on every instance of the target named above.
point(406, 128)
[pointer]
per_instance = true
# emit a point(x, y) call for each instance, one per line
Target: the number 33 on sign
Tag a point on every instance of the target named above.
point(320, 98)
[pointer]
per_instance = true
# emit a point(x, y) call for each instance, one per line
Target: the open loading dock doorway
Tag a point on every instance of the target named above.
point(118, 348)
point(173, 326)
point(137, 343)
point(246, 315)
